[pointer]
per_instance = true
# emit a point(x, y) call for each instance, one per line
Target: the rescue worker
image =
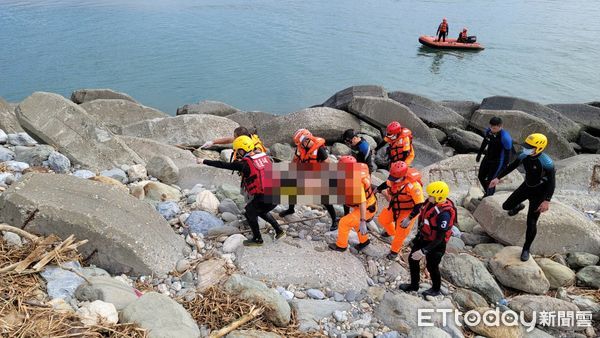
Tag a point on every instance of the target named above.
point(436, 219)
point(361, 149)
point(442, 31)
point(462, 36)
point(400, 146)
point(252, 165)
point(361, 213)
point(499, 146)
point(405, 193)
point(311, 149)
point(239, 131)
point(538, 186)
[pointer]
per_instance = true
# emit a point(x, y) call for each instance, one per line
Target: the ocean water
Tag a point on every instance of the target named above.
point(280, 56)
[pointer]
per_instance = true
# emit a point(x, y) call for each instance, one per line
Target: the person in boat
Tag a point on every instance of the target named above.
point(462, 36)
point(442, 31)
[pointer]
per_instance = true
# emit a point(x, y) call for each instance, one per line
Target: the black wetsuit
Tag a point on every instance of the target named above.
point(257, 207)
point(538, 187)
point(496, 159)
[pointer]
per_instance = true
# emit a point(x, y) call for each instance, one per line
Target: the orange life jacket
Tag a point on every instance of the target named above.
point(443, 27)
point(258, 163)
point(401, 197)
point(370, 196)
point(396, 148)
point(428, 219)
point(309, 156)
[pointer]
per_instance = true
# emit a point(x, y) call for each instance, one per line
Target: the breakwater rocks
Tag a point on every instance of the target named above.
point(106, 168)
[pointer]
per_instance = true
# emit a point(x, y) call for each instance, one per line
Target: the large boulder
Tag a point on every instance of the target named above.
point(526, 276)
point(107, 289)
point(430, 111)
point(342, 99)
point(584, 114)
point(588, 141)
point(278, 262)
point(464, 141)
point(63, 124)
point(578, 181)
point(557, 274)
point(533, 307)
point(251, 119)
point(207, 107)
point(114, 114)
point(520, 125)
point(85, 95)
point(147, 149)
point(460, 173)
point(463, 108)
point(161, 316)
point(310, 312)
point(8, 119)
point(327, 123)
point(382, 111)
point(466, 271)
point(125, 235)
point(400, 312)
point(190, 130)
point(589, 276)
point(561, 229)
point(565, 126)
point(205, 175)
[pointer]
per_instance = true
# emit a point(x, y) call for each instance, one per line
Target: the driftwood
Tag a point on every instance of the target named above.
point(254, 312)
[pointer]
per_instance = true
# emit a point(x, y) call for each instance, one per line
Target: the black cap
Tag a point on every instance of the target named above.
point(348, 135)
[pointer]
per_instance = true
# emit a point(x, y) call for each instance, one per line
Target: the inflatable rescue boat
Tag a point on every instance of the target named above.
point(430, 41)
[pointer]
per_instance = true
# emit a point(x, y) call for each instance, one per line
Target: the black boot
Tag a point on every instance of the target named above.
point(516, 209)
point(334, 247)
point(361, 246)
point(334, 225)
point(392, 255)
point(286, 213)
point(384, 234)
point(253, 242)
point(525, 255)
point(279, 234)
point(431, 292)
point(408, 287)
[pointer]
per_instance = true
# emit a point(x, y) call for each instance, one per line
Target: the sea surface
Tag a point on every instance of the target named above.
point(280, 56)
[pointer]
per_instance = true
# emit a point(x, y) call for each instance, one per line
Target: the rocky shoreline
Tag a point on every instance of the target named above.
point(105, 168)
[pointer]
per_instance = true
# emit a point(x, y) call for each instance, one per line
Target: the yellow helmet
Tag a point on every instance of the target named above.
point(438, 190)
point(538, 142)
point(243, 142)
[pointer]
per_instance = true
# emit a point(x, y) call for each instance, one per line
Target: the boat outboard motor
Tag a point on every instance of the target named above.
point(471, 39)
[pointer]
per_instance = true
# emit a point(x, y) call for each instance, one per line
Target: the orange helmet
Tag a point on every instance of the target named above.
point(394, 128)
point(398, 170)
point(300, 135)
point(347, 159)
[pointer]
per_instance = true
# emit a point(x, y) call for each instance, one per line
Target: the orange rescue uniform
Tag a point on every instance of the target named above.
point(401, 145)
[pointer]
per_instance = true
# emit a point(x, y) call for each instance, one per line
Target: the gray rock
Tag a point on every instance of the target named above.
point(190, 130)
point(6, 154)
point(351, 295)
point(397, 311)
point(207, 107)
point(137, 172)
point(587, 303)
point(475, 239)
point(589, 276)
point(16, 166)
point(428, 332)
point(463, 108)
point(520, 125)
point(116, 113)
point(21, 139)
point(227, 205)
point(162, 316)
point(578, 260)
point(168, 209)
point(468, 272)
point(117, 174)
point(85, 174)
point(565, 126)
point(200, 222)
point(532, 305)
point(12, 239)
point(576, 181)
point(464, 141)
point(557, 274)
point(163, 168)
point(226, 230)
point(73, 132)
point(327, 123)
point(59, 163)
point(390, 334)
point(577, 232)
point(251, 119)
point(315, 294)
point(466, 221)
point(125, 235)
point(584, 114)
point(106, 289)
point(211, 272)
point(430, 111)
point(278, 310)
point(147, 149)
point(85, 95)
point(588, 141)
point(8, 120)
point(233, 242)
point(526, 276)
point(396, 270)
point(340, 149)
point(231, 192)
point(342, 99)
point(311, 312)
point(192, 175)
point(487, 250)
point(182, 265)
point(439, 134)
point(228, 217)
point(282, 151)
point(468, 300)
point(455, 244)
point(62, 283)
point(320, 269)
point(7, 178)
point(34, 156)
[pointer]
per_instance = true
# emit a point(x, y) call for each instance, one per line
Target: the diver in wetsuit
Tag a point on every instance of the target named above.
point(538, 186)
point(499, 145)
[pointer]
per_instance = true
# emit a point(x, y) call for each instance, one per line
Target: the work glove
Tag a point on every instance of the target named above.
point(405, 223)
point(199, 160)
point(478, 158)
point(363, 227)
point(417, 255)
point(207, 144)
